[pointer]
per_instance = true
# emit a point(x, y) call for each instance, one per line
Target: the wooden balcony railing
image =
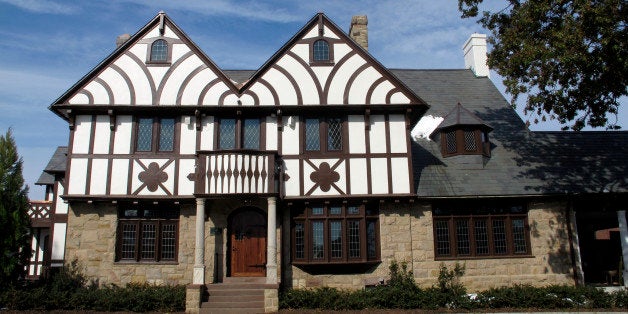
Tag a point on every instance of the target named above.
point(40, 213)
point(236, 172)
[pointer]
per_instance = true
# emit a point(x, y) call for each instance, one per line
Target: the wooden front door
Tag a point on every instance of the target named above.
point(247, 237)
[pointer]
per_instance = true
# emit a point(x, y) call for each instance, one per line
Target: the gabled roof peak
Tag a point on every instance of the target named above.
point(460, 116)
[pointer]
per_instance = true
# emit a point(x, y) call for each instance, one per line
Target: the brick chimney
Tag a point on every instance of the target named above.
point(359, 32)
point(120, 40)
point(475, 55)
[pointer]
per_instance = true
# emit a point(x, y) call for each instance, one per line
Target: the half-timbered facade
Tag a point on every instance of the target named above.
point(302, 173)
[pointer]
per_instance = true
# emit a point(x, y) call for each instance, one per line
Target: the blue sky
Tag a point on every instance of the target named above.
point(48, 45)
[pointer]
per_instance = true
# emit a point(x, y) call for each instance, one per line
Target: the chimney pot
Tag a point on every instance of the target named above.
point(475, 55)
point(120, 40)
point(359, 31)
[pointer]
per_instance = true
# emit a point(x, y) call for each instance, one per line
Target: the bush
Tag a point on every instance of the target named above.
point(69, 290)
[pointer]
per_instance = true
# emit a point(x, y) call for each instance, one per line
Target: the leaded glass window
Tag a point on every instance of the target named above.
point(474, 229)
point(251, 134)
point(334, 134)
point(312, 135)
point(318, 244)
point(450, 137)
point(335, 228)
point(321, 50)
point(145, 134)
point(166, 134)
point(469, 141)
point(147, 234)
point(227, 134)
point(159, 51)
point(328, 233)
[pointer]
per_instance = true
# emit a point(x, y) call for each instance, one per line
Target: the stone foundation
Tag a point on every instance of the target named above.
point(193, 298)
point(406, 234)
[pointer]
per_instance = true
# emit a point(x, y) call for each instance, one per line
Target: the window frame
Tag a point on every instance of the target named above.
point(155, 147)
point(481, 142)
point(149, 53)
point(163, 217)
point(323, 135)
point(240, 133)
point(306, 217)
point(330, 45)
point(471, 216)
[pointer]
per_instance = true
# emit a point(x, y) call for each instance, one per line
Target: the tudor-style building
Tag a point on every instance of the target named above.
point(304, 173)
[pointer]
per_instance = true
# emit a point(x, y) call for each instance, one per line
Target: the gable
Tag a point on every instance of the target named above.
point(189, 78)
point(129, 77)
point(350, 77)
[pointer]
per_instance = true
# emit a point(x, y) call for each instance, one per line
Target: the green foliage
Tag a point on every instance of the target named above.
point(550, 297)
point(69, 290)
point(15, 247)
point(568, 56)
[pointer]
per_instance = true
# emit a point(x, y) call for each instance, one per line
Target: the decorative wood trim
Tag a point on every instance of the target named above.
point(389, 160)
point(128, 81)
point(354, 75)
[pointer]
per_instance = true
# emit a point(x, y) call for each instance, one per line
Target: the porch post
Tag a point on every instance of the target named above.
point(199, 246)
point(271, 247)
point(623, 235)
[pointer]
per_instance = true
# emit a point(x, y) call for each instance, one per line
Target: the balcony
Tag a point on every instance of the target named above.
point(236, 172)
point(40, 213)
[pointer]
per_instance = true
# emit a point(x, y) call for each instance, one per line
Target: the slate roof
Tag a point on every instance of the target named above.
point(522, 162)
point(56, 165)
point(461, 116)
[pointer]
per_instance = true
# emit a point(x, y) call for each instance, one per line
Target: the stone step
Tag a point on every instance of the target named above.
point(236, 299)
point(231, 311)
point(239, 286)
point(240, 292)
point(234, 304)
point(258, 280)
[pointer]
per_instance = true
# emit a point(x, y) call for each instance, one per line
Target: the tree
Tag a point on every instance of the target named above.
point(14, 221)
point(569, 56)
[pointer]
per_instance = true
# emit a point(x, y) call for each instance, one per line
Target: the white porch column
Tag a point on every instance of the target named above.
point(199, 245)
point(623, 235)
point(271, 247)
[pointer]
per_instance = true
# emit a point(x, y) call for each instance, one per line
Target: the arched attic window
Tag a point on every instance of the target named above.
point(463, 133)
point(320, 50)
point(159, 51)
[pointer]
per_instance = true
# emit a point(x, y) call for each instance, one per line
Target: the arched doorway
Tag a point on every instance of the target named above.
point(247, 243)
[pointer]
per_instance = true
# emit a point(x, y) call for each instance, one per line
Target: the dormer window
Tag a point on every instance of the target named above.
point(463, 133)
point(321, 50)
point(159, 51)
point(465, 141)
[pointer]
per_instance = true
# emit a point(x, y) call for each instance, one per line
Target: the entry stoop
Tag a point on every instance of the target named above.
point(241, 295)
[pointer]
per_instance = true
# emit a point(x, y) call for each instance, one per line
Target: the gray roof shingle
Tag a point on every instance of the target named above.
point(56, 164)
point(522, 162)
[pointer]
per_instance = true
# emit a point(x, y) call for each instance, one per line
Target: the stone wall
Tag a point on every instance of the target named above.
point(91, 239)
point(407, 235)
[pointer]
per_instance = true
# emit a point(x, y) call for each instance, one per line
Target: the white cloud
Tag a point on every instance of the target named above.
point(42, 6)
point(255, 10)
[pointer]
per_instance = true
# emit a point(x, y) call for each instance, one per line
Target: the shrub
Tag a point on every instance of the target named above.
point(69, 290)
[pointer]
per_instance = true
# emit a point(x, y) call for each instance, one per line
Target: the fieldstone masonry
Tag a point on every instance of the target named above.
point(407, 235)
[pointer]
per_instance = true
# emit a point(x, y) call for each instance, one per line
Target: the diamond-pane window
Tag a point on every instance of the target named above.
point(334, 134)
point(371, 240)
point(159, 51)
point(469, 141)
point(145, 134)
point(450, 137)
point(166, 135)
point(312, 135)
point(227, 133)
point(321, 50)
point(251, 134)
